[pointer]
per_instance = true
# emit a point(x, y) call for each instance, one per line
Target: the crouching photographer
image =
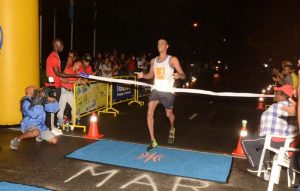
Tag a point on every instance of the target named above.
point(34, 107)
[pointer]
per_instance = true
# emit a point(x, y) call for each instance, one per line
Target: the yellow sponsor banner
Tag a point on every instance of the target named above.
point(90, 97)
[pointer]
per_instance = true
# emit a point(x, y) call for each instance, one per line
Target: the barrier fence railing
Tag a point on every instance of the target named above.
point(109, 108)
point(136, 95)
point(87, 98)
point(100, 97)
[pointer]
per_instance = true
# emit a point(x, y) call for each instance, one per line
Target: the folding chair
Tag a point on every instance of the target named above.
point(283, 160)
point(267, 146)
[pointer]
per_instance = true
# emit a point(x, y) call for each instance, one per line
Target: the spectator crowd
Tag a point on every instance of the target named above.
point(43, 119)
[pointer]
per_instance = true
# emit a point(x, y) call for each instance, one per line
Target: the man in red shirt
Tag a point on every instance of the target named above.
point(131, 65)
point(67, 85)
point(53, 69)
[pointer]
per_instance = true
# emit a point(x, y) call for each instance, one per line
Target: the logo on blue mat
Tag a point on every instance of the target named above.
point(153, 157)
point(1, 37)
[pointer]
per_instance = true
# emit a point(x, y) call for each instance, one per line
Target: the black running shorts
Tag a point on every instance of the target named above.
point(165, 98)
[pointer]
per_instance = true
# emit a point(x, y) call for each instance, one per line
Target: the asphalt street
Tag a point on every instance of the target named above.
point(209, 124)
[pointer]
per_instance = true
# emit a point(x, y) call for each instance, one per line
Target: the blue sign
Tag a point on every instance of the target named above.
point(122, 92)
point(1, 37)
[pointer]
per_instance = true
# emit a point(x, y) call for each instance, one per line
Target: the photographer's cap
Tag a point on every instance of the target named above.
point(287, 89)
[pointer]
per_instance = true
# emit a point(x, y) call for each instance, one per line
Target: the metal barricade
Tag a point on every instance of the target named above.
point(87, 99)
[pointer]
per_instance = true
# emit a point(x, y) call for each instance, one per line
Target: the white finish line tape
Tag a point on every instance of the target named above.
point(178, 90)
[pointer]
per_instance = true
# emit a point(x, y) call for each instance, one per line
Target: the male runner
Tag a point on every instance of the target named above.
point(162, 70)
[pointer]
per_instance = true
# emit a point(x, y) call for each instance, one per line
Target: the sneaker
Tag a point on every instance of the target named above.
point(14, 144)
point(268, 165)
point(56, 132)
point(38, 139)
point(267, 175)
point(152, 145)
point(56, 129)
point(171, 137)
point(286, 159)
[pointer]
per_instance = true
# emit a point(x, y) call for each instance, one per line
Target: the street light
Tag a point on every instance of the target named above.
point(195, 24)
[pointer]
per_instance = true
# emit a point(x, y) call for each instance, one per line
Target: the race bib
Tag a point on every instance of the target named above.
point(160, 73)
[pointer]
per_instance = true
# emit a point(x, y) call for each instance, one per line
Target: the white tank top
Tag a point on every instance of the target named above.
point(163, 75)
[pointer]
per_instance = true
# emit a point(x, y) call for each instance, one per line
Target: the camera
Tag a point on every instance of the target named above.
point(50, 91)
point(39, 97)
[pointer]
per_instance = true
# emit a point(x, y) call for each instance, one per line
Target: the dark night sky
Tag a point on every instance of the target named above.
point(254, 29)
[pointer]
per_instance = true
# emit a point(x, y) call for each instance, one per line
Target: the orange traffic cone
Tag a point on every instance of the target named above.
point(239, 150)
point(260, 105)
point(93, 129)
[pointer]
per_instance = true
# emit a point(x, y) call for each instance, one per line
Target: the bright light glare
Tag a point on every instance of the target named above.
point(216, 76)
point(194, 79)
point(93, 119)
point(244, 122)
point(243, 133)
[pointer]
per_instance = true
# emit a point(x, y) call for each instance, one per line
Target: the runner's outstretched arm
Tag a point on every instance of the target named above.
point(149, 75)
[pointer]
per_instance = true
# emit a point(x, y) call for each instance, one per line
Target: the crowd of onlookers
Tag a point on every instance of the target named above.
point(110, 64)
point(286, 74)
point(52, 110)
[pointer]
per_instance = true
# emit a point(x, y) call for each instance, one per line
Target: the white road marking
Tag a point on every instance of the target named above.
point(193, 116)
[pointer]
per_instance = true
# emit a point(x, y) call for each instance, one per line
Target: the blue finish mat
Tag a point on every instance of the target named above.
point(177, 162)
point(8, 186)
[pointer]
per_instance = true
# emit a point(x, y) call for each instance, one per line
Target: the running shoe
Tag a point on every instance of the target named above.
point(38, 139)
point(171, 137)
point(14, 144)
point(267, 175)
point(56, 131)
point(152, 145)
